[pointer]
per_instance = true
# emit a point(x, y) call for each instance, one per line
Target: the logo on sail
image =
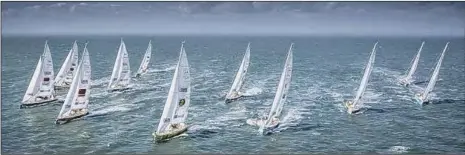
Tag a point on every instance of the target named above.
point(182, 102)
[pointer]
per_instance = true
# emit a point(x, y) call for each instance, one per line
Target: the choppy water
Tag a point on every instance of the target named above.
point(326, 71)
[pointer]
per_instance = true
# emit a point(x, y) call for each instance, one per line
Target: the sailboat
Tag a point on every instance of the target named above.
point(145, 61)
point(273, 119)
point(234, 93)
point(120, 77)
point(172, 121)
point(407, 80)
point(351, 105)
point(77, 99)
point(67, 70)
point(424, 97)
point(40, 89)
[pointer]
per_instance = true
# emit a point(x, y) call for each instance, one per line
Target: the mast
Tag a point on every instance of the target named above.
point(415, 62)
point(366, 75)
point(435, 74)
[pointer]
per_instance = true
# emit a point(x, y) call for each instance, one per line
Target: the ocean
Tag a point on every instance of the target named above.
point(326, 71)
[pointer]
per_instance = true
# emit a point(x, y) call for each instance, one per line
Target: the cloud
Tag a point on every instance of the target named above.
point(367, 18)
point(36, 7)
point(115, 5)
point(58, 5)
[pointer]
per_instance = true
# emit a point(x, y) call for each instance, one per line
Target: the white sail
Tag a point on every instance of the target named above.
point(79, 92)
point(120, 76)
point(434, 76)
point(145, 61)
point(281, 92)
point(366, 76)
point(67, 70)
point(414, 64)
point(177, 104)
point(240, 75)
point(42, 79)
point(34, 84)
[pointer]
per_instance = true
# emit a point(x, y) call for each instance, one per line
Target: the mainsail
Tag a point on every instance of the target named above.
point(240, 75)
point(177, 103)
point(42, 79)
point(414, 64)
point(145, 61)
point(79, 92)
point(366, 76)
point(281, 92)
point(67, 70)
point(434, 76)
point(120, 77)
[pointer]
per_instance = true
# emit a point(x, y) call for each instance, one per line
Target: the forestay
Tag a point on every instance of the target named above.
point(177, 103)
point(68, 69)
point(42, 79)
point(281, 92)
point(79, 92)
point(366, 76)
point(120, 76)
point(434, 76)
point(145, 61)
point(240, 75)
point(414, 64)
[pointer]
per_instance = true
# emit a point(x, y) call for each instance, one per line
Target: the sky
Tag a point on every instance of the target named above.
point(235, 18)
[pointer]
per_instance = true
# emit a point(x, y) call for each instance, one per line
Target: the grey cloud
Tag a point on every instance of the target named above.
point(58, 5)
point(351, 18)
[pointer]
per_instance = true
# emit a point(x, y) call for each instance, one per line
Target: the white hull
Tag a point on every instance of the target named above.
point(419, 100)
point(170, 133)
point(68, 118)
point(24, 104)
point(259, 122)
point(351, 110)
point(405, 82)
point(232, 98)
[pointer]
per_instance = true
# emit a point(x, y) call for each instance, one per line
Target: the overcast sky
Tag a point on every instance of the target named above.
point(243, 18)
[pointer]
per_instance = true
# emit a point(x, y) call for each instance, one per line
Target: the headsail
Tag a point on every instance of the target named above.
point(177, 103)
point(414, 64)
point(121, 70)
point(366, 76)
point(67, 70)
point(281, 92)
point(434, 76)
point(34, 84)
point(42, 79)
point(145, 61)
point(240, 75)
point(79, 92)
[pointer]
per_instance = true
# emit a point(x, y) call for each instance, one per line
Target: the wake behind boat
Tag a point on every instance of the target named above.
point(407, 79)
point(351, 105)
point(234, 93)
point(120, 77)
point(67, 70)
point(40, 89)
point(145, 61)
point(423, 97)
point(172, 121)
point(77, 99)
point(267, 124)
